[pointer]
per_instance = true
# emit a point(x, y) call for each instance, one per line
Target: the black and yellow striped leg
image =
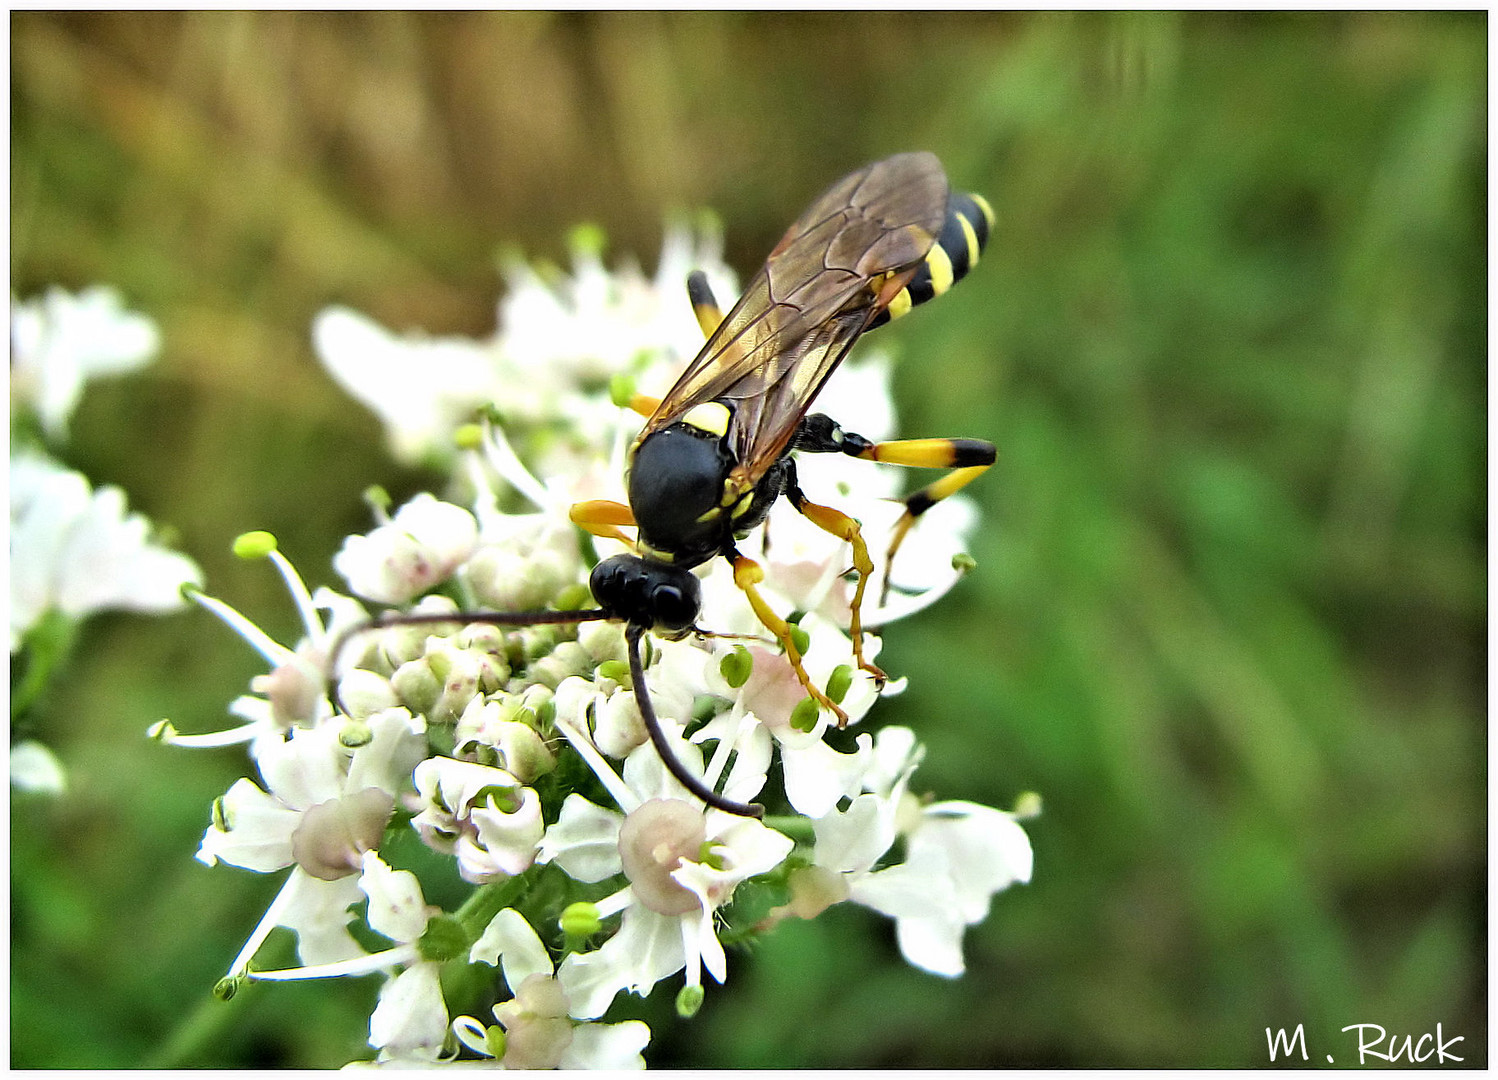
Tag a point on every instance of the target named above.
point(969, 458)
point(747, 574)
point(704, 304)
point(846, 528)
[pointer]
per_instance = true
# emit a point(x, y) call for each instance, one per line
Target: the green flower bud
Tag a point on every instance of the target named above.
point(417, 686)
point(621, 389)
point(580, 920)
point(354, 734)
point(801, 639)
point(616, 671)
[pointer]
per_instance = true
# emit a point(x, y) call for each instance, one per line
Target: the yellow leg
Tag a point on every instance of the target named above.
point(644, 405)
point(846, 528)
point(602, 517)
point(746, 575)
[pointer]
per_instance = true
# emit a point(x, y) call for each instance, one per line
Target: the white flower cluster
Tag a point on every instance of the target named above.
point(74, 550)
point(520, 751)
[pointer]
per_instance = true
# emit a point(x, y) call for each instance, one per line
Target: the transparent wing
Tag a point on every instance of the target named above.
point(801, 313)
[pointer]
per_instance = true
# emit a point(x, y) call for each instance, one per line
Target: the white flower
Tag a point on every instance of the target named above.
point(410, 1019)
point(323, 807)
point(958, 855)
point(683, 861)
point(60, 341)
point(479, 813)
point(413, 552)
point(78, 551)
point(538, 1030)
point(558, 335)
point(421, 387)
point(294, 692)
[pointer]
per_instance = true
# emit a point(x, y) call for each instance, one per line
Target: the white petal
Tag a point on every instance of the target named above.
point(607, 1046)
point(34, 767)
point(305, 768)
point(646, 948)
point(851, 841)
point(318, 912)
point(920, 898)
point(397, 908)
point(817, 777)
point(411, 1017)
point(258, 833)
point(397, 743)
point(986, 851)
point(584, 842)
point(510, 941)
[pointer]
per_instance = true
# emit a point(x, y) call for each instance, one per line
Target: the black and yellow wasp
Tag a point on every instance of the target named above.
point(717, 451)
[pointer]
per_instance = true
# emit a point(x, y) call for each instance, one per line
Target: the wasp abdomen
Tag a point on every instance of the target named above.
point(956, 251)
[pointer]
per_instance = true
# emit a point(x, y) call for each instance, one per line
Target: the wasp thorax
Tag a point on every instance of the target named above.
point(675, 487)
point(645, 593)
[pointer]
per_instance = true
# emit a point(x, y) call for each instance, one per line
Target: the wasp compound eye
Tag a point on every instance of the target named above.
point(675, 604)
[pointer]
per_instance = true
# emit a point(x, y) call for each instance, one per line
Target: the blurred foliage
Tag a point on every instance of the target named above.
point(1229, 613)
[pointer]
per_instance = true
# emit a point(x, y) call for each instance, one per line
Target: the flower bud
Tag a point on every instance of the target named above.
point(417, 687)
point(580, 920)
point(364, 693)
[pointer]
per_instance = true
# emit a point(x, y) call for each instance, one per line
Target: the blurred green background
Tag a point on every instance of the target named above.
point(1229, 615)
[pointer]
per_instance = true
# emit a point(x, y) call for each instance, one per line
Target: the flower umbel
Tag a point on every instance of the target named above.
point(516, 754)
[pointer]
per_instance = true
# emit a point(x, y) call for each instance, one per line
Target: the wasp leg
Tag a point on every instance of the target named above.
point(746, 575)
point(969, 458)
point(642, 404)
point(846, 528)
point(704, 304)
point(601, 517)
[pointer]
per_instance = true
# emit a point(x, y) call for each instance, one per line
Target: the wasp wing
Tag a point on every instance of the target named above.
point(802, 311)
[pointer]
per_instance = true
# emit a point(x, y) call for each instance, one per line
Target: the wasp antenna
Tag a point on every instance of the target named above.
point(663, 748)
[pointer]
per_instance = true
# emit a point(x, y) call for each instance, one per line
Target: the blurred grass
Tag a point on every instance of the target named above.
point(1230, 608)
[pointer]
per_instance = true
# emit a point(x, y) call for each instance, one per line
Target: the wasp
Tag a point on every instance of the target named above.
point(717, 451)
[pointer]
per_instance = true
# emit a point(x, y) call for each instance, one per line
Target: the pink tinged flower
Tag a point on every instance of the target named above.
point(418, 549)
point(539, 1031)
point(332, 837)
point(324, 806)
point(481, 814)
point(683, 861)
